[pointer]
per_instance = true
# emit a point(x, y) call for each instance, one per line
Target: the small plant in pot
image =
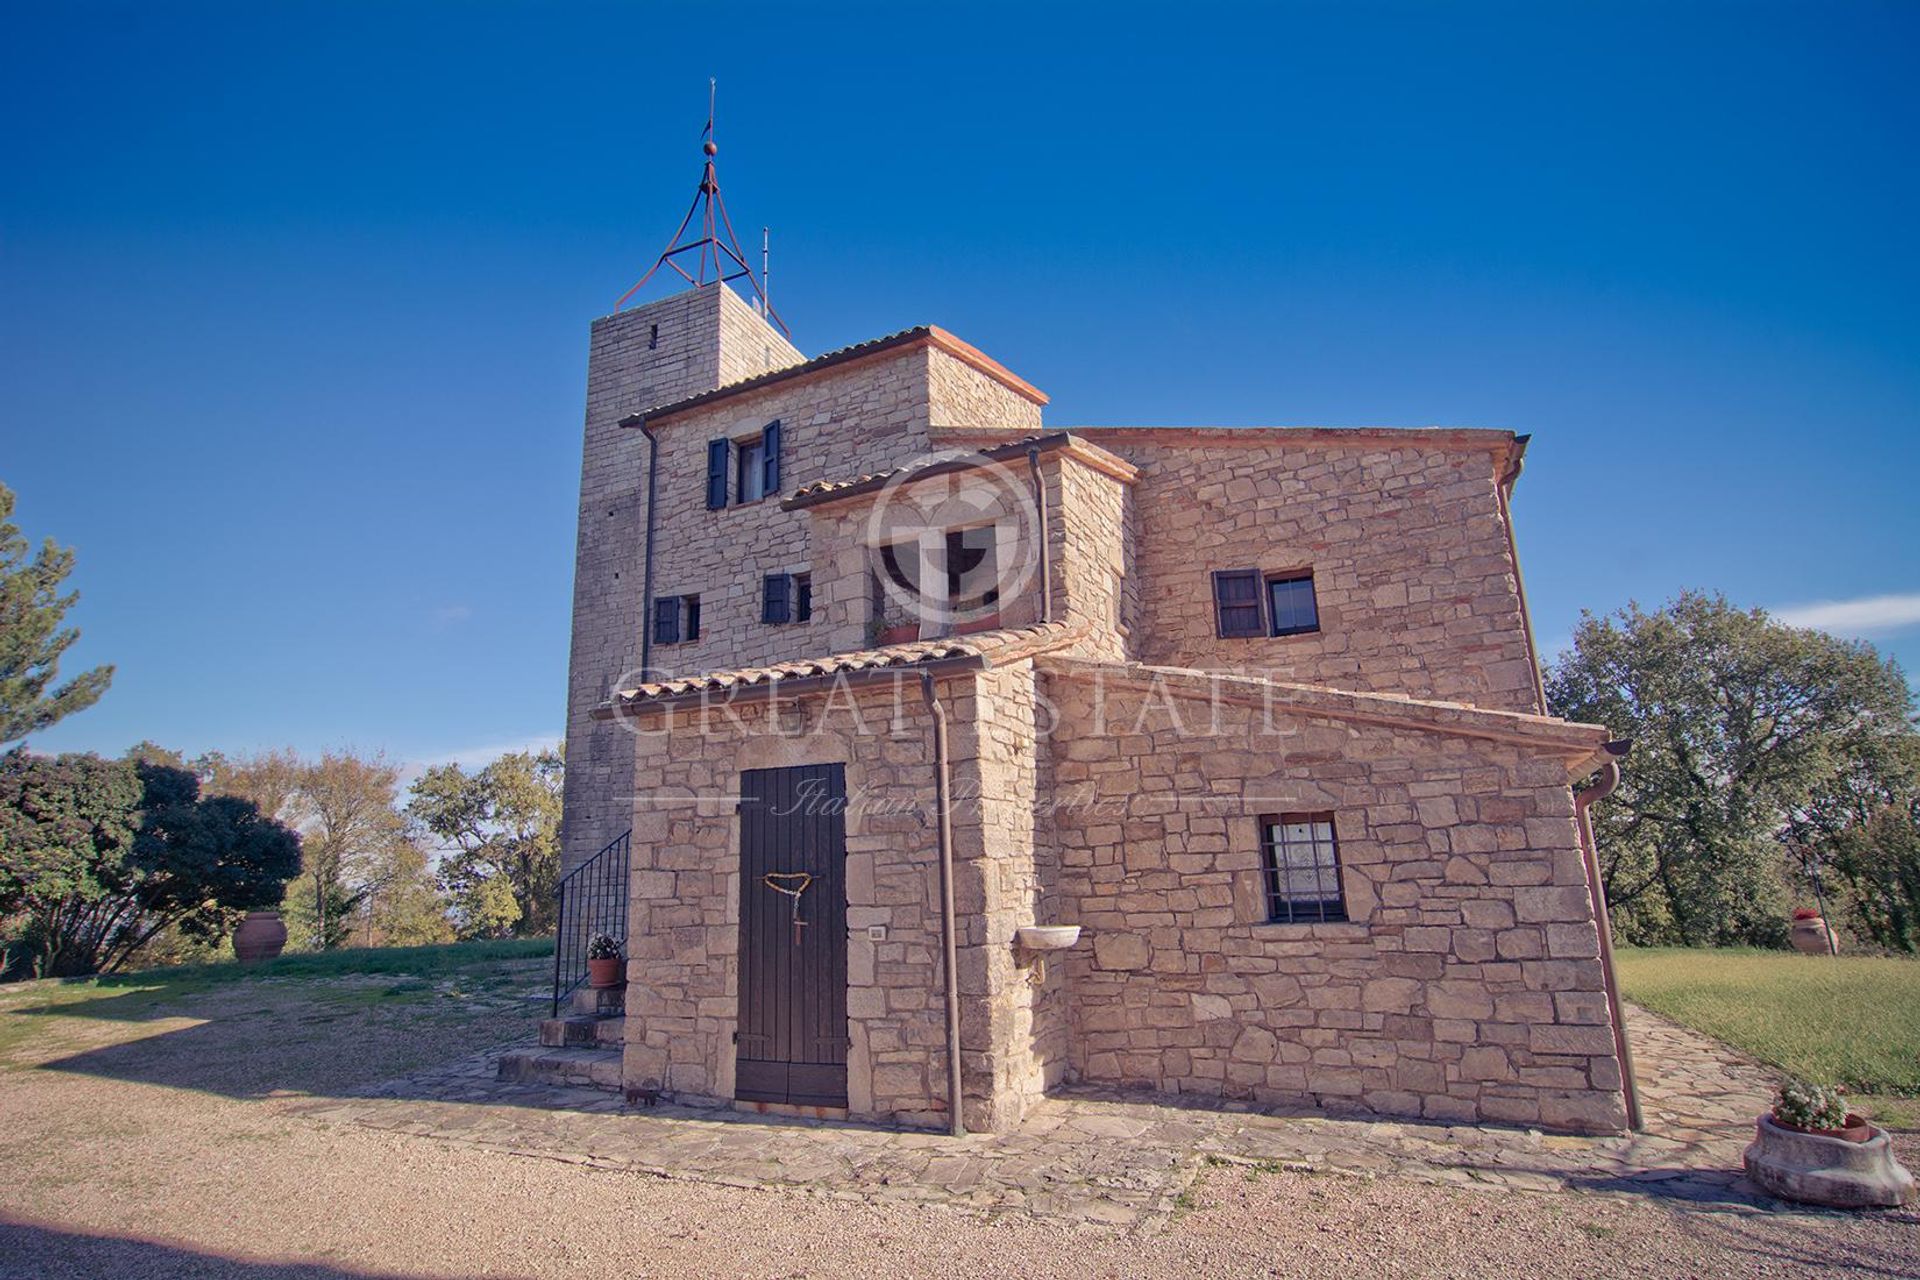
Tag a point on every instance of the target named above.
point(604, 961)
point(1812, 1108)
point(1810, 1148)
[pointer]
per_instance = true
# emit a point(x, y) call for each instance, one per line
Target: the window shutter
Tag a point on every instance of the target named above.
point(1236, 602)
point(771, 464)
point(717, 458)
point(666, 621)
point(775, 603)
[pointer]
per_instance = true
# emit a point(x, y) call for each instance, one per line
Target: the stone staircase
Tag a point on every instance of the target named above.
point(581, 1048)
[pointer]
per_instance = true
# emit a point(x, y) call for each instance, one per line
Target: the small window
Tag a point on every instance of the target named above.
point(1290, 607)
point(676, 619)
point(901, 560)
point(802, 597)
point(973, 580)
point(1302, 863)
point(786, 597)
point(1236, 602)
point(757, 465)
point(752, 456)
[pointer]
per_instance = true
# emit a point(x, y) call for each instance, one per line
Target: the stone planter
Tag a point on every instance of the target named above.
point(1813, 936)
point(262, 935)
point(1832, 1171)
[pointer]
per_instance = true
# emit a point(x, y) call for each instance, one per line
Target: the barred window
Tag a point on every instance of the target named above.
point(1302, 859)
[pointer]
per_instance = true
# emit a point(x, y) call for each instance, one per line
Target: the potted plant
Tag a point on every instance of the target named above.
point(604, 961)
point(1812, 935)
point(1811, 1148)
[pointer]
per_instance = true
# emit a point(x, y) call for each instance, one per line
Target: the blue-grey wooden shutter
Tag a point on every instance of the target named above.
point(666, 620)
point(771, 464)
point(1236, 602)
point(776, 602)
point(718, 452)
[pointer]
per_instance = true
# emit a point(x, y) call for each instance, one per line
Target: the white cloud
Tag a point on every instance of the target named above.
point(448, 615)
point(1868, 616)
point(476, 756)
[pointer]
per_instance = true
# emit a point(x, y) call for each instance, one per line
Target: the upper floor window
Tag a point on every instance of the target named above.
point(786, 597)
point(1302, 863)
point(676, 619)
point(973, 579)
point(747, 470)
point(1290, 607)
point(1248, 603)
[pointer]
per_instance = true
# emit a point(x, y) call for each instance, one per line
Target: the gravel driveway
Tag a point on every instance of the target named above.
point(141, 1137)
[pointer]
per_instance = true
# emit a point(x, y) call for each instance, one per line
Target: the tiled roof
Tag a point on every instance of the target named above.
point(937, 464)
point(934, 463)
point(930, 334)
point(986, 648)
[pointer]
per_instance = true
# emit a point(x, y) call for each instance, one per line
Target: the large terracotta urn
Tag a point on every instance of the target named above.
point(1812, 935)
point(261, 936)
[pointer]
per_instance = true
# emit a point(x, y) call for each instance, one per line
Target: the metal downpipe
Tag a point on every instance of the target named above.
point(948, 917)
point(1583, 799)
point(1505, 491)
point(646, 572)
point(1045, 538)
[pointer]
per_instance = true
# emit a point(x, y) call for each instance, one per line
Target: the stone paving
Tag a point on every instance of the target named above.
point(1099, 1157)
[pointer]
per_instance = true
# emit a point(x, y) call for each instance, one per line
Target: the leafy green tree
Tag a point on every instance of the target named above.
point(502, 825)
point(1740, 727)
point(345, 805)
point(32, 638)
point(1860, 837)
point(405, 905)
point(98, 857)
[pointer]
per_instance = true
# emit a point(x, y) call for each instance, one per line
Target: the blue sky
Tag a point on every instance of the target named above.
point(296, 298)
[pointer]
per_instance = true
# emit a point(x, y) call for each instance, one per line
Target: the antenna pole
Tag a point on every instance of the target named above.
point(728, 258)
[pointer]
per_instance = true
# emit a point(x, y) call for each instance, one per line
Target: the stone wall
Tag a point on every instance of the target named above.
point(960, 395)
point(1416, 592)
point(682, 995)
point(645, 356)
point(1467, 985)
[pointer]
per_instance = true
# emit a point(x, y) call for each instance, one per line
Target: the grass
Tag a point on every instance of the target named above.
point(1848, 1020)
point(308, 1023)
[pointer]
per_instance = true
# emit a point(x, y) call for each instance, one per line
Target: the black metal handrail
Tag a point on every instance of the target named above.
point(592, 899)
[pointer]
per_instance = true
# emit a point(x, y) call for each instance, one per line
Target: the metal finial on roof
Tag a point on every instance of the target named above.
point(729, 262)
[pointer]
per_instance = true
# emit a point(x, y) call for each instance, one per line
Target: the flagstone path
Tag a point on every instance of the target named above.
point(1094, 1156)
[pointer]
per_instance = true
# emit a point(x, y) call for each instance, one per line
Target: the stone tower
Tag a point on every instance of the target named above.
point(647, 356)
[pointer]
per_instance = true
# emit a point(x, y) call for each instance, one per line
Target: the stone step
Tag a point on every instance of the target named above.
point(589, 1002)
point(594, 1068)
point(607, 1031)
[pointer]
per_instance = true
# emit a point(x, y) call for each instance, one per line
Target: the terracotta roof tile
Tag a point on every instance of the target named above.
point(991, 648)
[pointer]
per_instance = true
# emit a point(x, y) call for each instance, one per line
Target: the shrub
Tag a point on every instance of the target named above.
point(603, 946)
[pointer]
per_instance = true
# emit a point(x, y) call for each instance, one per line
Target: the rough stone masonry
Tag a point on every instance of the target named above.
point(1272, 738)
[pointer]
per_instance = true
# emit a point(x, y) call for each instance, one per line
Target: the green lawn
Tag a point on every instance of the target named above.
point(1850, 1020)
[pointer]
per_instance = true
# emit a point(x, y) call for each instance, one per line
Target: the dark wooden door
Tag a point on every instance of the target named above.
point(793, 978)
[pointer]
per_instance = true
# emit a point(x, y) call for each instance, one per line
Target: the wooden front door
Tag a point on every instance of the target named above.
point(793, 949)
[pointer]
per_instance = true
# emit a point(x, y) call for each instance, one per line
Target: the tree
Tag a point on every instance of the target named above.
point(1741, 727)
point(345, 805)
point(100, 856)
point(1860, 835)
point(32, 638)
point(405, 906)
point(503, 826)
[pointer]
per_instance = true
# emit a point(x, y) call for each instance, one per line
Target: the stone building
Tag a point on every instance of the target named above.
point(872, 671)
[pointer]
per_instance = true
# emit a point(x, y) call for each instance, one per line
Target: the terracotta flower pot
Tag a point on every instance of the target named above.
point(262, 935)
point(1812, 936)
point(604, 973)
